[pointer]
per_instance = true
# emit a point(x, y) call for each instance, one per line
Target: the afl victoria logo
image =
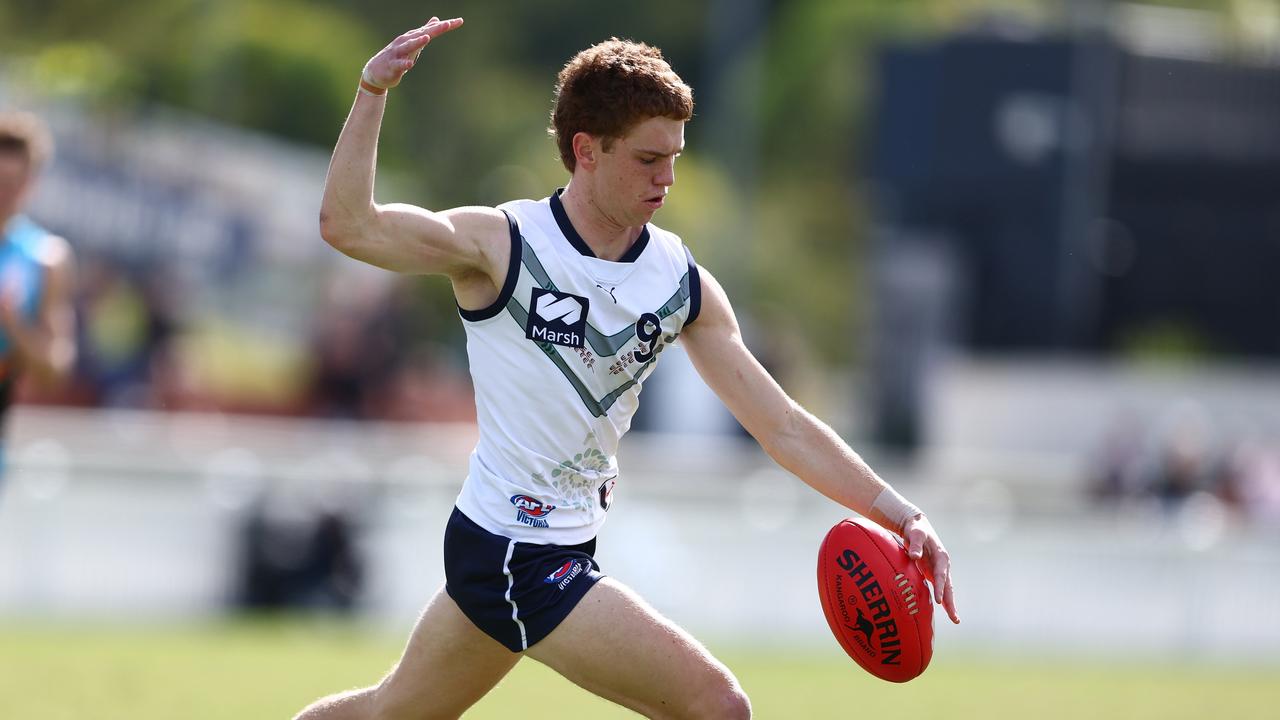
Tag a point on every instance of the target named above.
point(531, 506)
point(557, 318)
point(531, 511)
point(564, 574)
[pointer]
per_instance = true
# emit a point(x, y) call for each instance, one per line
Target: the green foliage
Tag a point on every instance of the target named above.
point(280, 66)
point(771, 188)
point(810, 232)
point(283, 67)
point(83, 69)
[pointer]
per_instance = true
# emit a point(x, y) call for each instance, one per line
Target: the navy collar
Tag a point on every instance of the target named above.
point(571, 233)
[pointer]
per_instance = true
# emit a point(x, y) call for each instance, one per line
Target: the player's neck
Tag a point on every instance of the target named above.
point(607, 238)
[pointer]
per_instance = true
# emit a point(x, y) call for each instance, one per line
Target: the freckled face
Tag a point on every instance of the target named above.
point(639, 169)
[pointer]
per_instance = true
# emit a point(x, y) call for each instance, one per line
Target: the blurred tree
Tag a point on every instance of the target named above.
point(275, 65)
point(469, 126)
point(283, 67)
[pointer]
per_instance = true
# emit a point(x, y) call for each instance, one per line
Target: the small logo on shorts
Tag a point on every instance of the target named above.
point(564, 574)
point(531, 511)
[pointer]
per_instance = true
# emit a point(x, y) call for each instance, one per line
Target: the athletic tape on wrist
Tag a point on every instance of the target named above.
point(369, 87)
point(894, 509)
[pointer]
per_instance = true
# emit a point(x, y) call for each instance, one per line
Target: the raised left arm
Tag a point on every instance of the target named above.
point(800, 442)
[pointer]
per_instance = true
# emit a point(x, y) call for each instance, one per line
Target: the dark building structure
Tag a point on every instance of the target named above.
point(1070, 195)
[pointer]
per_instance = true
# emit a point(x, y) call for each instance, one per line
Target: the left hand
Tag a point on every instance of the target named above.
point(387, 68)
point(923, 544)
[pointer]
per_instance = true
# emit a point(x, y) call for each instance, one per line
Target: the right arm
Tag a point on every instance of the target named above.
point(467, 244)
point(802, 443)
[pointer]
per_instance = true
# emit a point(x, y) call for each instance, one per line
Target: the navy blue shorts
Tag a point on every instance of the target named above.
point(516, 592)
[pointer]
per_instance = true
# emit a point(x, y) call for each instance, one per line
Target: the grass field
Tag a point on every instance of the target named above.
point(270, 669)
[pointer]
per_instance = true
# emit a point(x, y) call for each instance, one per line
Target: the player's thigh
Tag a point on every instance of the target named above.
point(448, 664)
point(617, 646)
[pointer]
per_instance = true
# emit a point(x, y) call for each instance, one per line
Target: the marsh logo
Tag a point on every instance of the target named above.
point(557, 318)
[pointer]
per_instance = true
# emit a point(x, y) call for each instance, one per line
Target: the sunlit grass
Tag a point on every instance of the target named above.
point(271, 668)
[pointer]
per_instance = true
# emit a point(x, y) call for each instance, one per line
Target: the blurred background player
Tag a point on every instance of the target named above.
point(37, 318)
point(532, 280)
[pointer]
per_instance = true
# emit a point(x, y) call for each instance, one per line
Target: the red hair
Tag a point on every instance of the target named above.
point(611, 87)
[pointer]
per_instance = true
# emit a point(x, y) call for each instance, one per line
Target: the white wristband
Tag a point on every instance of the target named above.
point(892, 510)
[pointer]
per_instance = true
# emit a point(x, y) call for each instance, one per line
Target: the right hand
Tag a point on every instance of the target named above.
point(923, 544)
point(388, 67)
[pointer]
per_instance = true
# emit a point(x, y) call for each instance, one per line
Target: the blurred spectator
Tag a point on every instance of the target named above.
point(299, 560)
point(425, 386)
point(1236, 471)
point(366, 369)
point(1177, 461)
point(343, 367)
point(1117, 469)
point(37, 319)
point(354, 347)
point(1249, 482)
point(1182, 468)
point(126, 325)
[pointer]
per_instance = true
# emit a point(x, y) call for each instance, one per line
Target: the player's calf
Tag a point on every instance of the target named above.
point(349, 705)
point(386, 705)
point(377, 703)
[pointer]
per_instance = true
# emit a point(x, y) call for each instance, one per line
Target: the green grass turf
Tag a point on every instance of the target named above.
point(270, 669)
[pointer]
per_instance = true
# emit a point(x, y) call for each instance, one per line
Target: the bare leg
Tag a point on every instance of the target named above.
point(447, 666)
point(618, 647)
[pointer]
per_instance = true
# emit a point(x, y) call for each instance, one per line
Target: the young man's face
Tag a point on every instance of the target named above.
point(639, 168)
point(15, 176)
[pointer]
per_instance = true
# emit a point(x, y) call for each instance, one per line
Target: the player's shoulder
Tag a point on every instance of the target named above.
point(486, 226)
point(533, 219)
point(664, 237)
point(671, 244)
point(525, 207)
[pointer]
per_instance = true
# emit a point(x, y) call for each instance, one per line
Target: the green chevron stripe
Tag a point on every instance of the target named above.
point(597, 408)
point(611, 398)
point(521, 316)
point(603, 345)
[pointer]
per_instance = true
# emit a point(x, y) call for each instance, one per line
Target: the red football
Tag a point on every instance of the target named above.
point(876, 600)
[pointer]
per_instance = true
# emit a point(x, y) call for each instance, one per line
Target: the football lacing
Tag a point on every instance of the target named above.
point(908, 593)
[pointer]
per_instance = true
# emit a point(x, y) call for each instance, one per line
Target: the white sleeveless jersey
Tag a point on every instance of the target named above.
point(557, 363)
